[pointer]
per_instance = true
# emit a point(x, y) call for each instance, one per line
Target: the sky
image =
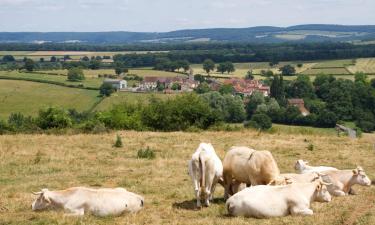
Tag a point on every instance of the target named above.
point(169, 15)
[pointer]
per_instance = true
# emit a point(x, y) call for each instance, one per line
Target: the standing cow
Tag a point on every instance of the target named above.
point(205, 169)
point(251, 167)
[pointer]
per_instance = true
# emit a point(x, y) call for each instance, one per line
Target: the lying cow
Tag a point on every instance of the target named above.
point(343, 180)
point(275, 201)
point(251, 167)
point(205, 169)
point(80, 200)
point(302, 167)
point(301, 178)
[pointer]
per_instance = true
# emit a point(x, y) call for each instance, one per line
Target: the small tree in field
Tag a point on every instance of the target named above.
point(75, 74)
point(29, 65)
point(260, 121)
point(208, 66)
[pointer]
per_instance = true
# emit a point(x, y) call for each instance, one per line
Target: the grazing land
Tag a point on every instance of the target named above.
point(32, 162)
point(29, 97)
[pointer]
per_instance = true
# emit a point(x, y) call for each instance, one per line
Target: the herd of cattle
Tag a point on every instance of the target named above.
point(251, 178)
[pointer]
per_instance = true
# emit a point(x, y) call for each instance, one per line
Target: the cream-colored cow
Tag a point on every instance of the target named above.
point(264, 201)
point(343, 180)
point(80, 200)
point(251, 167)
point(205, 169)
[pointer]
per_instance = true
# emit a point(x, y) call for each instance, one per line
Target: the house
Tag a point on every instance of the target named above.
point(300, 104)
point(118, 84)
point(151, 83)
point(247, 87)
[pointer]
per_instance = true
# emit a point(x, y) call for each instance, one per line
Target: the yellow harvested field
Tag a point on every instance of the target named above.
point(366, 65)
point(32, 162)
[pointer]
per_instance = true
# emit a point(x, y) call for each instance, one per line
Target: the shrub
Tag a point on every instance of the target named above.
point(118, 143)
point(107, 89)
point(326, 119)
point(146, 153)
point(53, 118)
point(75, 74)
point(124, 116)
point(310, 147)
point(38, 157)
point(3, 127)
point(260, 121)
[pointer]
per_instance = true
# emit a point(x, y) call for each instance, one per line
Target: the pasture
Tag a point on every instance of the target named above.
point(32, 162)
point(29, 97)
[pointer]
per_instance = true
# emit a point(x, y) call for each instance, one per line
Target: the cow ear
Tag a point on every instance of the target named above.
point(319, 187)
point(355, 171)
point(46, 198)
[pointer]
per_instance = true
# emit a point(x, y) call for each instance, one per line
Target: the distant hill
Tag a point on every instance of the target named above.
point(264, 34)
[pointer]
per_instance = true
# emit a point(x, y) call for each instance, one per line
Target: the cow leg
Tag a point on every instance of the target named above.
point(227, 184)
point(216, 179)
point(301, 211)
point(209, 184)
point(75, 212)
point(197, 192)
point(338, 193)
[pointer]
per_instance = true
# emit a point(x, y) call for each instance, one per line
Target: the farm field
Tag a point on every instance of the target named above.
point(32, 162)
point(363, 65)
point(29, 97)
point(88, 82)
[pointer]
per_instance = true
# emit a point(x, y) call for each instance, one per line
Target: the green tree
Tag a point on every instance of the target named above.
point(277, 88)
point(249, 75)
point(94, 64)
point(176, 86)
point(107, 89)
point(226, 89)
point(53, 118)
point(85, 58)
point(75, 74)
point(53, 59)
point(230, 67)
point(288, 70)
point(208, 65)
point(260, 121)
point(160, 86)
point(29, 65)
point(8, 58)
point(301, 88)
point(203, 88)
point(255, 99)
point(221, 68)
point(360, 77)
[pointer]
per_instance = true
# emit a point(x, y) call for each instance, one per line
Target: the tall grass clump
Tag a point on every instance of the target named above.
point(146, 153)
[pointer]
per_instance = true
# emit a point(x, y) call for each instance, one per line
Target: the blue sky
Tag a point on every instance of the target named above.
point(168, 15)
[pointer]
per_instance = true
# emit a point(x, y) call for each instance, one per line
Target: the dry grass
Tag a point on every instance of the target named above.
point(31, 162)
point(366, 65)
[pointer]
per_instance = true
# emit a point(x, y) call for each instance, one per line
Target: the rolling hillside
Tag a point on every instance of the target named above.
point(264, 34)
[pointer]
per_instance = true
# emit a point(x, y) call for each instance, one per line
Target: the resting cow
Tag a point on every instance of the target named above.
point(274, 201)
point(205, 169)
point(302, 167)
point(301, 178)
point(251, 167)
point(80, 200)
point(343, 180)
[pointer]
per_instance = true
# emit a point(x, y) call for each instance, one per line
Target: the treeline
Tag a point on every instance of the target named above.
point(188, 111)
point(219, 52)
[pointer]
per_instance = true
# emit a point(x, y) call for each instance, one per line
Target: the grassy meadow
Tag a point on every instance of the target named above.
point(29, 97)
point(32, 162)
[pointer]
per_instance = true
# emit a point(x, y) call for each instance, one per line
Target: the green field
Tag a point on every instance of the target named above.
point(29, 97)
point(88, 82)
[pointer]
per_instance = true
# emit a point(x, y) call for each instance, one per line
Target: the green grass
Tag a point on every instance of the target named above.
point(332, 71)
point(334, 63)
point(29, 97)
point(88, 82)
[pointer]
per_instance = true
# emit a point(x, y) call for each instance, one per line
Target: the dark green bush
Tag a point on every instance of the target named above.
point(53, 118)
point(118, 143)
point(260, 121)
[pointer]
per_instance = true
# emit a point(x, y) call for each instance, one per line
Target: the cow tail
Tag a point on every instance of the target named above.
point(202, 170)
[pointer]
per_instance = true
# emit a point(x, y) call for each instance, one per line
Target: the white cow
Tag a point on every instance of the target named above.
point(343, 180)
point(266, 201)
point(80, 200)
point(302, 167)
point(301, 178)
point(205, 169)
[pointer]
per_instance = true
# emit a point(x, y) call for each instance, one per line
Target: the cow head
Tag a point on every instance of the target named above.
point(300, 165)
point(322, 194)
point(43, 201)
point(281, 181)
point(360, 177)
